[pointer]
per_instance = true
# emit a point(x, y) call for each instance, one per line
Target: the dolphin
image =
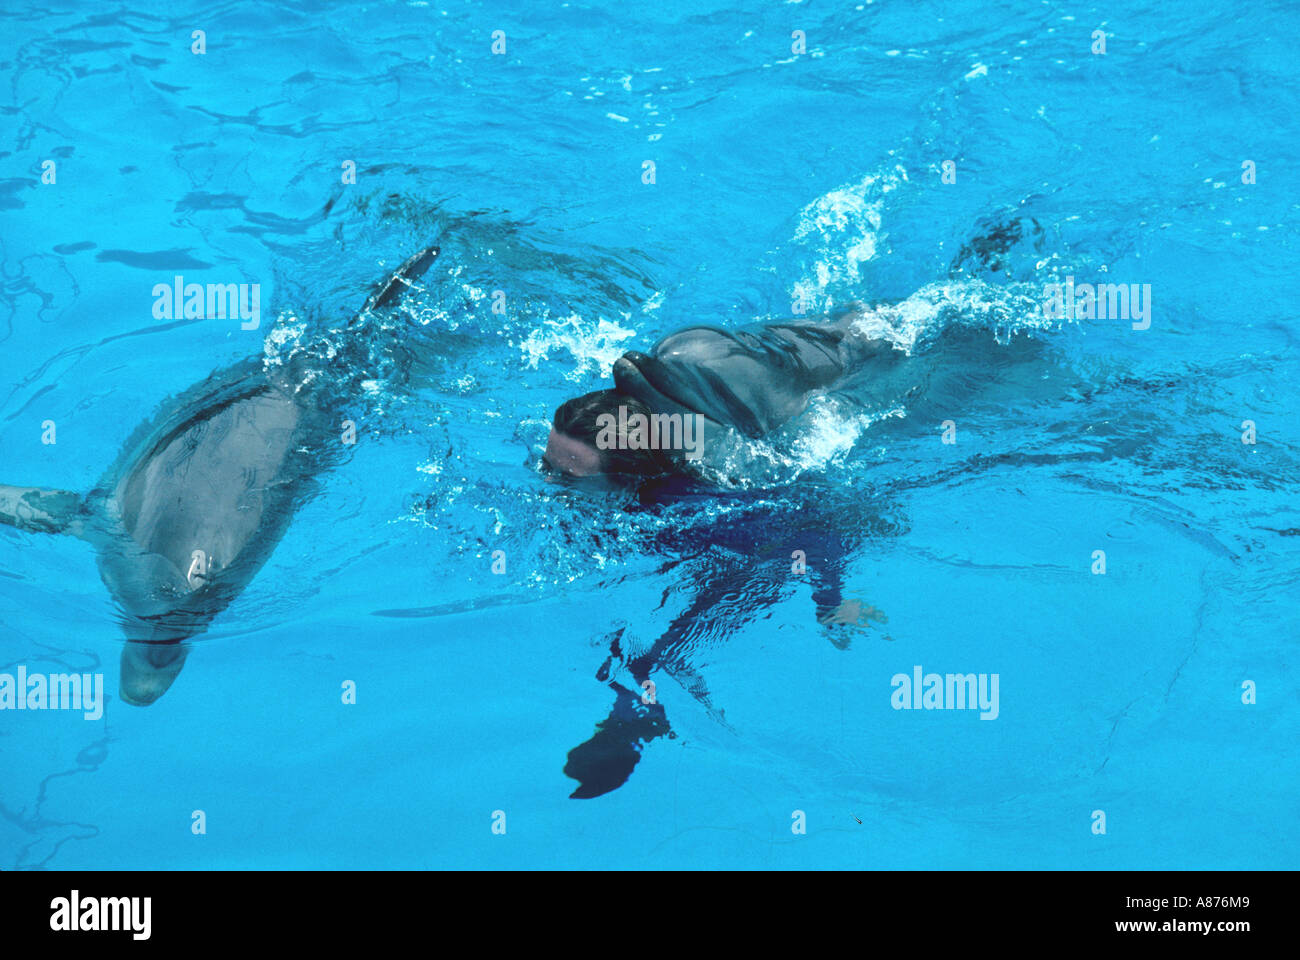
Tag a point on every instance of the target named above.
point(197, 500)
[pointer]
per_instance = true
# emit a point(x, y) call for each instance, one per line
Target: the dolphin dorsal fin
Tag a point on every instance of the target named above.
point(392, 288)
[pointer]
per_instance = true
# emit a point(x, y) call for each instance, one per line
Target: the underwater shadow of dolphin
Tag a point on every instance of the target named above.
point(196, 501)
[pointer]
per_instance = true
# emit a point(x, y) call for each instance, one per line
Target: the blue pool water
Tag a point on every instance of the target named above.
point(778, 176)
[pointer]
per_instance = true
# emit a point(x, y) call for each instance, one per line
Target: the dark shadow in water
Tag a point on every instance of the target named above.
point(740, 565)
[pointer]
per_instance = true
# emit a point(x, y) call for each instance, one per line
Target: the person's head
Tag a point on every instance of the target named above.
point(592, 434)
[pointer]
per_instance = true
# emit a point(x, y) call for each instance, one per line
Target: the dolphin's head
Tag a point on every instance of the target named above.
point(157, 645)
point(148, 670)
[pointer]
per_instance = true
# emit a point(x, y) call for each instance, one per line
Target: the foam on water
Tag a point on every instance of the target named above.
point(1002, 309)
point(841, 230)
point(594, 346)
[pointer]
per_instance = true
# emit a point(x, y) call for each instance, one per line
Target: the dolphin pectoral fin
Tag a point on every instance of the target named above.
point(388, 292)
point(38, 510)
point(148, 670)
point(605, 762)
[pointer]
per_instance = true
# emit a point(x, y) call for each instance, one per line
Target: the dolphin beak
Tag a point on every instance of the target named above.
point(148, 670)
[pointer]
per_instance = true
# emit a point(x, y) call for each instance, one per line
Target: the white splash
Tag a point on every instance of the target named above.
point(595, 347)
point(1003, 309)
point(284, 337)
point(819, 438)
point(842, 229)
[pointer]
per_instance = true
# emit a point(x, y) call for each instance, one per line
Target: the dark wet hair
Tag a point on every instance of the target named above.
point(579, 418)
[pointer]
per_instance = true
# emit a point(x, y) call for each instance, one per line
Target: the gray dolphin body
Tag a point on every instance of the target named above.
point(197, 501)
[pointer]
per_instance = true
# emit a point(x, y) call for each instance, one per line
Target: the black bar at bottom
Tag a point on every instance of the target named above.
point(335, 908)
